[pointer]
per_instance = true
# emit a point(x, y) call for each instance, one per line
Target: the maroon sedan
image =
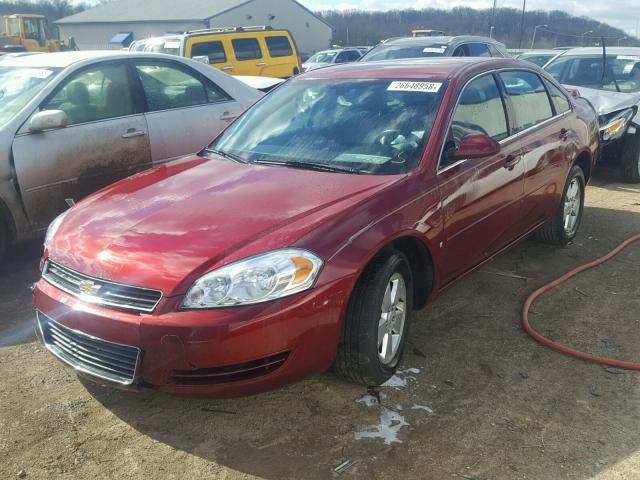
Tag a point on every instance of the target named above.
point(312, 227)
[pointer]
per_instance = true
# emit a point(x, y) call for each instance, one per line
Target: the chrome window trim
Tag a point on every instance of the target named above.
point(511, 137)
point(55, 351)
point(98, 300)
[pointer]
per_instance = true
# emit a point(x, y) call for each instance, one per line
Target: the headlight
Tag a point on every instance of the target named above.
point(53, 228)
point(257, 279)
point(614, 125)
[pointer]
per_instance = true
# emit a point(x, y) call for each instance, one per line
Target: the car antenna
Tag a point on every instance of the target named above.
point(604, 66)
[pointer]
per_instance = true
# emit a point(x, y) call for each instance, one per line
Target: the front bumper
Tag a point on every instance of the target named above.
point(215, 353)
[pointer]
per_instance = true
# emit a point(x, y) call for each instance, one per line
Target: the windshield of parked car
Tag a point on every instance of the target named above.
point(361, 126)
point(392, 52)
point(18, 86)
point(539, 59)
point(622, 72)
point(323, 57)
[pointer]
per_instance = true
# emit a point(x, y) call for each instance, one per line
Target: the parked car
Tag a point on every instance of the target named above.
point(74, 122)
point(306, 234)
point(424, 47)
point(258, 51)
point(538, 57)
point(326, 58)
point(612, 85)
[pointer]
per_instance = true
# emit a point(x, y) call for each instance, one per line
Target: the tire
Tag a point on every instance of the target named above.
point(554, 232)
point(631, 159)
point(359, 357)
point(4, 240)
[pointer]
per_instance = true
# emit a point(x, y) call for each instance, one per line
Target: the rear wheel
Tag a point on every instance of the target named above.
point(564, 225)
point(631, 160)
point(4, 239)
point(376, 324)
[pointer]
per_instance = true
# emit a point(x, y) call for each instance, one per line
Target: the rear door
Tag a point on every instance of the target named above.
point(249, 56)
point(543, 135)
point(105, 140)
point(185, 109)
point(481, 197)
point(282, 59)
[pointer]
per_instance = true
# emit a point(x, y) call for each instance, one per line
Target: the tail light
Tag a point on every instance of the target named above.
point(573, 92)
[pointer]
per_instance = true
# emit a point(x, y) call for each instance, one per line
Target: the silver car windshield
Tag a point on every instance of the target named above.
point(18, 86)
point(357, 126)
point(391, 52)
point(622, 73)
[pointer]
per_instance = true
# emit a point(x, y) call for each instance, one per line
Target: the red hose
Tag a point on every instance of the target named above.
point(563, 348)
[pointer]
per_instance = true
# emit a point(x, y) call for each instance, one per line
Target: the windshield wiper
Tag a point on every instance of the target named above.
point(227, 155)
point(318, 167)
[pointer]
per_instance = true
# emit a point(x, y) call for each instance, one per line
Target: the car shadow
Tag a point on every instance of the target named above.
point(476, 398)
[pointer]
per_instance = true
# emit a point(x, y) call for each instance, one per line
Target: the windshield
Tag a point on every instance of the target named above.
point(322, 57)
point(18, 86)
point(391, 52)
point(363, 126)
point(622, 73)
point(539, 59)
point(170, 46)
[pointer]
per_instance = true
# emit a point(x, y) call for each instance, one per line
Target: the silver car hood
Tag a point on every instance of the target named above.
point(605, 101)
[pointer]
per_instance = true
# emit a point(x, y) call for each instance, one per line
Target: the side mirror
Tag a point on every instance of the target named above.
point(476, 146)
point(201, 58)
point(47, 120)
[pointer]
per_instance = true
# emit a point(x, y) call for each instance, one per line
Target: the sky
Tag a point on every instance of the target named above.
point(624, 14)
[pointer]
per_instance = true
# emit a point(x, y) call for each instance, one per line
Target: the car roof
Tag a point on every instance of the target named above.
point(66, 59)
point(442, 40)
point(412, 68)
point(598, 51)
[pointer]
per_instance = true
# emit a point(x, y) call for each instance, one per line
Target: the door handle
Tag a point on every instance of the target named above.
point(511, 161)
point(226, 116)
point(261, 64)
point(564, 134)
point(226, 68)
point(131, 133)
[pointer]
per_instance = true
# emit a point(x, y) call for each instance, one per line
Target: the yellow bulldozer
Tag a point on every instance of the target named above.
point(30, 33)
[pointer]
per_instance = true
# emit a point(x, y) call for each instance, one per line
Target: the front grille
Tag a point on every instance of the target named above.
point(103, 359)
point(230, 373)
point(102, 292)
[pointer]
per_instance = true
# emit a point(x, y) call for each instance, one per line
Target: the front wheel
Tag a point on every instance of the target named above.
point(564, 225)
point(376, 324)
point(631, 160)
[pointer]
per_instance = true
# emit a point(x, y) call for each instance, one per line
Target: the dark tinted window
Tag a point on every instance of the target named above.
point(528, 97)
point(559, 99)
point(478, 50)
point(246, 48)
point(279, 46)
point(622, 72)
point(348, 56)
point(480, 110)
point(213, 50)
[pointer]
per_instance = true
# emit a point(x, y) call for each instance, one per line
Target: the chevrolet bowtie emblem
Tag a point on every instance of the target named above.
point(87, 287)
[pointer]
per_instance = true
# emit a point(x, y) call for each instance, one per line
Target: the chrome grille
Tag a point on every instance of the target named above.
point(88, 354)
point(102, 292)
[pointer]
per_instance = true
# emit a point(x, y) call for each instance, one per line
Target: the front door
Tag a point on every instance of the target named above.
point(481, 197)
point(105, 140)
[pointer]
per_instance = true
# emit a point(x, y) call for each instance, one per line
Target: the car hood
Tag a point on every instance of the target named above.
point(605, 101)
point(164, 227)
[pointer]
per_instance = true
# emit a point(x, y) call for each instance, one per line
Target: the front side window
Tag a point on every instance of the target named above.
point(478, 50)
point(166, 87)
point(18, 86)
point(363, 126)
point(495, 52)
point(528, 97)
point(279, 46)
point(620, 74)
point(214, 51)
point(98, 93)
point(558, 98)
point(348, 56)
point(246, 48)
point(480, 110)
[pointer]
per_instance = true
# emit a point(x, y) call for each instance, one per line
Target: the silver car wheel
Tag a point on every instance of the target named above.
point(572, 206)
point(392, 319)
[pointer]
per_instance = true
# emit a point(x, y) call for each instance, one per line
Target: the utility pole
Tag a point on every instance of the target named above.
point(493, 18)
point(524, 7)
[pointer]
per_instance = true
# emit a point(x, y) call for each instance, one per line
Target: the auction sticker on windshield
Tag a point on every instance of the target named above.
point(426, 87)
point(434, 49)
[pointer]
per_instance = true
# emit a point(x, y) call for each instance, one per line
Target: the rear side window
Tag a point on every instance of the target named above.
point(478, 50)
point(246, 48)
point(528, 97)
point(279, 46)
point(480, 110)
point(213, 50)
point(558, 98)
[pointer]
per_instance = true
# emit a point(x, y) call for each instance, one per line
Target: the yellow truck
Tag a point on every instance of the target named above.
point(427, 33)
point(28, 33)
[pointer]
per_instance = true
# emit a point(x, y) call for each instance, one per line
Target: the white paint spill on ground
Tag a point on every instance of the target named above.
point(410, 370)
point(370, 400)
point(421, 407)
point(395, 381)
point(390, 424)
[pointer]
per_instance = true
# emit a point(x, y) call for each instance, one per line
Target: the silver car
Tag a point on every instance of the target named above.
point(332, 56)
point(74, 122)
point(612, 84)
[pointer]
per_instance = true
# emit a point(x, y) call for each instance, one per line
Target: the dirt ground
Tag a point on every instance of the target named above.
point(477, 398)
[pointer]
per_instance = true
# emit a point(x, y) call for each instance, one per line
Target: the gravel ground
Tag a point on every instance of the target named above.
point(477, 398)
